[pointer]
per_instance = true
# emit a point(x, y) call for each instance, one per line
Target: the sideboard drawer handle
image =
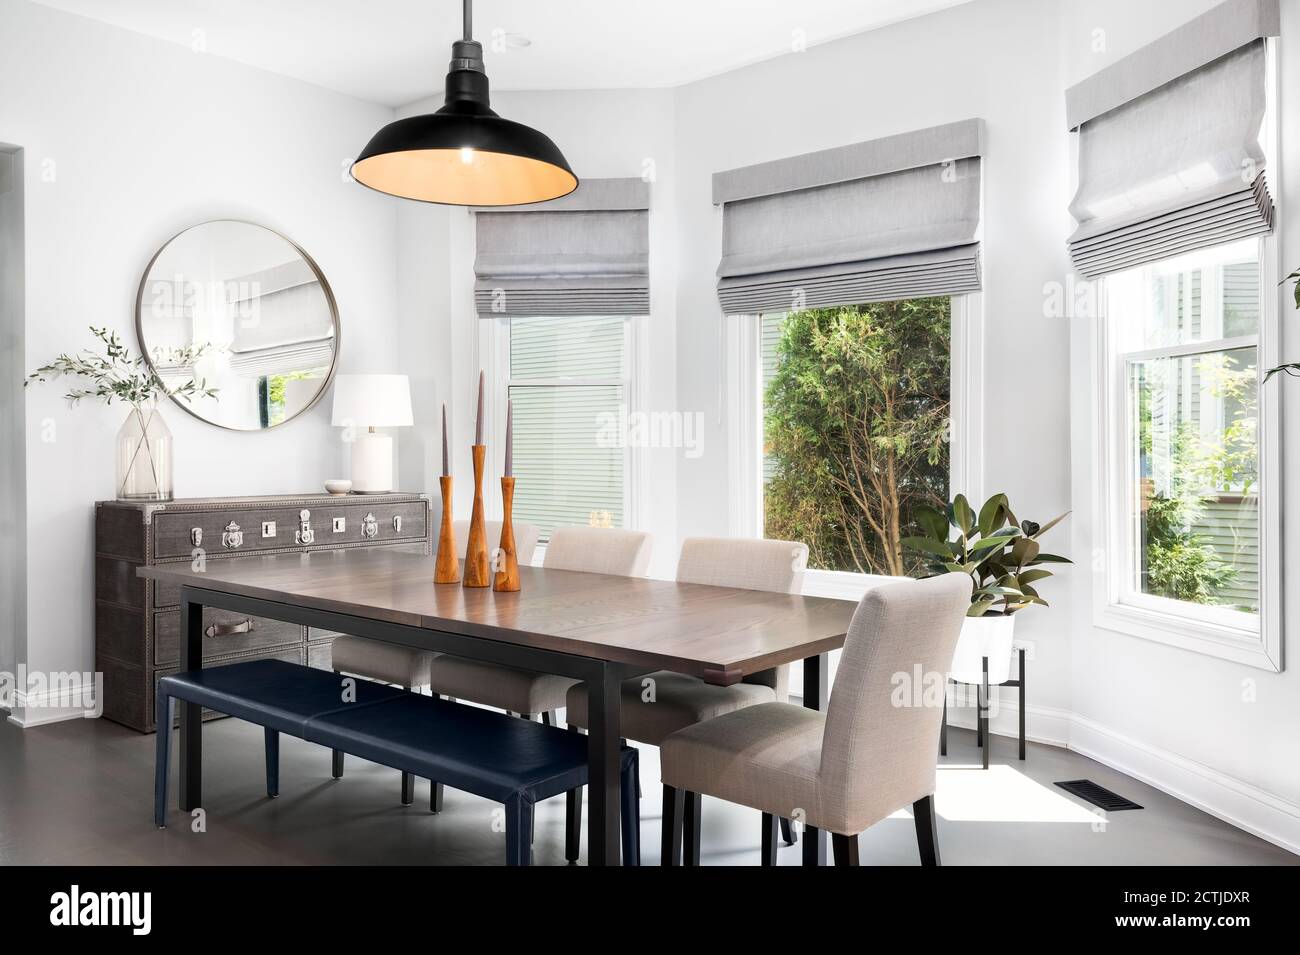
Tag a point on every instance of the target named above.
point(369, 527)
point(230, 629)
point(397, 523)
point(232, 536)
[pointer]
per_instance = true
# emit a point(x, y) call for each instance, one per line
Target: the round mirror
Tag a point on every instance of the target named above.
point(257, 310)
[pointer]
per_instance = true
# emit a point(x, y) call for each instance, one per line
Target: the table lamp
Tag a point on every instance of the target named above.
point(370, 402)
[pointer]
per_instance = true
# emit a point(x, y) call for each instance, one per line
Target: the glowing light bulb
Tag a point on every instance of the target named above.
point(467, 155)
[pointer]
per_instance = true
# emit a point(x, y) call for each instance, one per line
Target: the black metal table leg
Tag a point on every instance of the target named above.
point(816, 692)
point(983, 716)
point(191, 734)
point(1021, 681)
point(604, 730)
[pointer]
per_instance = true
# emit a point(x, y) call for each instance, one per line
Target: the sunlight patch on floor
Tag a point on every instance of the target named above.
point(1000, 794)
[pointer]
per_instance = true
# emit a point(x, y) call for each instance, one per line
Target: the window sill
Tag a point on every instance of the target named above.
point(842, 585)
point(1225, 643)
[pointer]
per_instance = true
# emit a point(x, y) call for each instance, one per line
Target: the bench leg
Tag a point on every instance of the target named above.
point(572, 819)
point(337, 767)
point(408, 789)
point(162, 760)
point(691, 830)
point(671, 836)
point(769, 839)
point(272, 762)
point(630, 812)
point(519, 823)
point(435, 796)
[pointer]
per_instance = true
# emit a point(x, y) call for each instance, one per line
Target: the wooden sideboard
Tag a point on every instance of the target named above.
point(137, 621)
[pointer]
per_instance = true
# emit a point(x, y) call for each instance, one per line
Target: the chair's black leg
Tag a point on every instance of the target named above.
point(671, 836)
point(769, 839)
point(691, 829)
point(943, 727)
point(337, 768)
point(572, 819)
point(983, 702)
point(162, 759)
point(927, 834)
point(812, 846)
point(1022, 702)
point(519, 822)
point(630, 813)
point(272, 761)
point(788, 835)
point(845, 849)
point(435, 796)
point(408, 789)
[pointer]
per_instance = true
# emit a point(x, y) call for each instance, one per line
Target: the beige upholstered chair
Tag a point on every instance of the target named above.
point(868, 755)
point(680, 700)
point(404, 666)
point(592, 550)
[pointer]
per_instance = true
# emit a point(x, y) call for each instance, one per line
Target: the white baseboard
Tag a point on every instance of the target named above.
point(38, 709)
point(1246, 806)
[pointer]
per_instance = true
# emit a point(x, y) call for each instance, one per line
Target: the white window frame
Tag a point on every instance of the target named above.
point(1205, 633)
point(745, 438)
point(1214, 631)
point(494, 346)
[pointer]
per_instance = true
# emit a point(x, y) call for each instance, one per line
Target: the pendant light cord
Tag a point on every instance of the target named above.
point(468, 19)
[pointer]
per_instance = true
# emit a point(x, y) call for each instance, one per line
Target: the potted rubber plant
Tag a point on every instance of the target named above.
point(144, 442)
point(1004, 559)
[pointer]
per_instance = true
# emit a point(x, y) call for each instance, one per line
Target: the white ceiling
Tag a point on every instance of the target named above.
point(396, 51)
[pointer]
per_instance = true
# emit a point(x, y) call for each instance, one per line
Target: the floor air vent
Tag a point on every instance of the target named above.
point(1099, 796)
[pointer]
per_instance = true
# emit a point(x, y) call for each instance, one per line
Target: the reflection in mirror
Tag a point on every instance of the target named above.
point(258, 308)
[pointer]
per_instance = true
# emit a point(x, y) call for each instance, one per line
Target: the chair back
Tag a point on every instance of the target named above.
point(525, 539)
point(599, 550)
point(743, 562)
point(881, 740)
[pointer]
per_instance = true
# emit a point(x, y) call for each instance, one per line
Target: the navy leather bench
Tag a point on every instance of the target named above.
point(511, 761)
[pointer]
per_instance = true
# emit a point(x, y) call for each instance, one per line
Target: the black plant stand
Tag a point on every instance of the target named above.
point(982, 736)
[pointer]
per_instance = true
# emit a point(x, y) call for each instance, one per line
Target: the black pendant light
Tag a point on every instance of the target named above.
point(464, 154)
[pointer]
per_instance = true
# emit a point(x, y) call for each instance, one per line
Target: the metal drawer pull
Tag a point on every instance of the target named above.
point(305, 534)
point(230, 629)
point(397, 523)
point(369, 526)
point(232, 536)
point(196, 536)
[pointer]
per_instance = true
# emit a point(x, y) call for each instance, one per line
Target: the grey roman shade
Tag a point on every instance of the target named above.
point(584, 254)
point(886, 219)
point(1169, 143)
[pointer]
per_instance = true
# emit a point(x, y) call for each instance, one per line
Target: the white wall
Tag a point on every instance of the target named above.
point(1217, 733)
point(127, 140)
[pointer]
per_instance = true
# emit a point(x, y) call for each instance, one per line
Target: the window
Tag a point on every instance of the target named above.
point(568, 382)
point(1184, 490)
point(856, 408)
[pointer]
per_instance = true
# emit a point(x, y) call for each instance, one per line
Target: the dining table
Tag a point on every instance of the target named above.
point(594, 628)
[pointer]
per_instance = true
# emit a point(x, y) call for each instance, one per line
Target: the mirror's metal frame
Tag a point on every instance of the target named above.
point(329, 300)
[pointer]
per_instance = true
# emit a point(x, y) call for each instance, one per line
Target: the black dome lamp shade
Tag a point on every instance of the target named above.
point(464, 154)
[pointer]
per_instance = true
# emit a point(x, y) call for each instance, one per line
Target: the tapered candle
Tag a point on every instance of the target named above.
point(510, 437)
point(445, 469)
point(478, 422)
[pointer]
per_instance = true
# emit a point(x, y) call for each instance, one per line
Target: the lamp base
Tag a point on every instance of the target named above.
point(372, 463)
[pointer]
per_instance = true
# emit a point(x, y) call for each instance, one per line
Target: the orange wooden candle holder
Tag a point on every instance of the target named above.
point(446, 569)
point(507, 571)
point(477, 571)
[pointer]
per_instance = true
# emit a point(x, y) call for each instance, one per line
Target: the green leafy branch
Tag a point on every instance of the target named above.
point(1001, 554)
point(119, 375)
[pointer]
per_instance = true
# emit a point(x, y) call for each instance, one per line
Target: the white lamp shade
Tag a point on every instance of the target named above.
point(372, 401)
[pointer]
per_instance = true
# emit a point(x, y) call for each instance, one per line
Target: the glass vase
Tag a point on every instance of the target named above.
point(144, 456)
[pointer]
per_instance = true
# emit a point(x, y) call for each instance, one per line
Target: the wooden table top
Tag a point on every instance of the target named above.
point(717, 633)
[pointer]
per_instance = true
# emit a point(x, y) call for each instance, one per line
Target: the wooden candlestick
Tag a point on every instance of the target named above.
point(477, 571)
point(446, 570)
point(507, 575)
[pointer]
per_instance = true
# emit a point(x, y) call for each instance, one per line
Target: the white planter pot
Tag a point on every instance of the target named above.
point(981, 637)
